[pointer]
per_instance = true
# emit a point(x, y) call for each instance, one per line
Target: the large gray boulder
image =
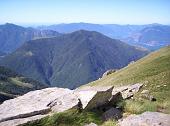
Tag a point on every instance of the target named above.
point(146, 119)
point(112, 113)
point(30, 104)
point(93, 97)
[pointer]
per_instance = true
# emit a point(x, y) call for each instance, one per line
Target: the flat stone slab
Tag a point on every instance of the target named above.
point(30, 104)
point(146, 119)
point(64, 102)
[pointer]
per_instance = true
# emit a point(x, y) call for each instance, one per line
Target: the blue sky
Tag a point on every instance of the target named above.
point(90, 11)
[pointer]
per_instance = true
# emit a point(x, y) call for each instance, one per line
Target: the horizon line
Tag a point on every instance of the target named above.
point(59, 23)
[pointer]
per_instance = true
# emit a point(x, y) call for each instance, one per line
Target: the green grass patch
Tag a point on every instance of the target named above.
point(110, 123)
point(68, 118)
point(138, 107)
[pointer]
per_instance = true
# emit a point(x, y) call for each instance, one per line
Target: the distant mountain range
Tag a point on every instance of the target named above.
point(151, 36)
point(71, 60)
point(13, 84)
point(13, 36)
point(110, 30)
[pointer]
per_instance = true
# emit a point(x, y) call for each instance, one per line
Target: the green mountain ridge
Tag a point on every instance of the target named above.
point(13, 84)
point(151, 36)
point(72, 59)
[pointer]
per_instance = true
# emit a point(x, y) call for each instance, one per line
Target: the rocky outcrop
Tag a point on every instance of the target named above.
point(109, 72)
point(38, 104)
point(127, 91)
point(146, 119)
point(145, 94)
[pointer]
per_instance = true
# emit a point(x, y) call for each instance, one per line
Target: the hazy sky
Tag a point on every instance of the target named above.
point(92, 11)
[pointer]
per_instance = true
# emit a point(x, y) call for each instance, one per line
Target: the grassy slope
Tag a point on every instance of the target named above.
point(154, 71)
